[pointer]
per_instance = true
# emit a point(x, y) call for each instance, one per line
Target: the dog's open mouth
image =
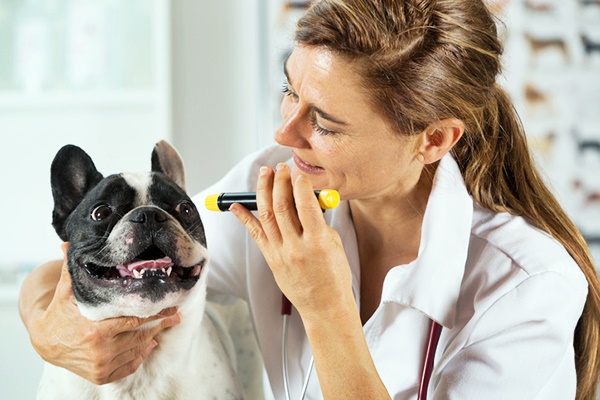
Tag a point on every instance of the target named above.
point(151, 263)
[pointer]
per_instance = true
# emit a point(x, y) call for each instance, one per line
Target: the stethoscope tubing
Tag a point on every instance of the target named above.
point(435, 331)
point(433, 338)
point(284, 361)
point(284, 364)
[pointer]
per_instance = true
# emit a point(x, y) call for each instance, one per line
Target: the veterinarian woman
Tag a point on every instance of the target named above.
point(445, 224)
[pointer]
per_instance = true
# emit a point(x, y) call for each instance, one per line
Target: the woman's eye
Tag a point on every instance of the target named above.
point(318, 128)
point(185, 208)
point(287, 91)
point(102, 212)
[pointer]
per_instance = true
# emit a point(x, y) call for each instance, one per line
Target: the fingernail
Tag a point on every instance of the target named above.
point(169, 311)
point(175, 319)
point(280, 166)
point(64, 247)
point(149, 348)
point(263, 171)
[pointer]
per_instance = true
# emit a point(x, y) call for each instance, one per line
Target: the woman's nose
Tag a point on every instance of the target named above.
point(294, 130)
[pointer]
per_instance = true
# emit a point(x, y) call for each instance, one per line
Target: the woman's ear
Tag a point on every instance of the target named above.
point(438, 139)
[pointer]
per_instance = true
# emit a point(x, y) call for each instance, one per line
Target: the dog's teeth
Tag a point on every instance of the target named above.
point(163, 270)
point(169, 271)
point(143, 271)
point(137, 274)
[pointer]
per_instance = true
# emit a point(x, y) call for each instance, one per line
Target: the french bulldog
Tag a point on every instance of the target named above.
point(137, 246)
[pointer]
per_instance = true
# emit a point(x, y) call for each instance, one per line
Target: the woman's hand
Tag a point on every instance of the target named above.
point(312, 270)
point(99, 351)
point(304, 253)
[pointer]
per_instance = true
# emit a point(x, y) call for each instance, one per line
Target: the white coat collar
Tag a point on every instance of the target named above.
point(431, 283)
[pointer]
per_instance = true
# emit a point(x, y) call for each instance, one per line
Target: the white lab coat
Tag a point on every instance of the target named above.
point(508, 296)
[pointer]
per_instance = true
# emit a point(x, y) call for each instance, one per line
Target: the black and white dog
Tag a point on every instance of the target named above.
point(137, 246)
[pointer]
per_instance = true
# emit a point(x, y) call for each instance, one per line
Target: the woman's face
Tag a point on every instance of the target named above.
point(338, 139)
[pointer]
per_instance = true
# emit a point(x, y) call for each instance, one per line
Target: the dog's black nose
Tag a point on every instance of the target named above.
point(144, 215)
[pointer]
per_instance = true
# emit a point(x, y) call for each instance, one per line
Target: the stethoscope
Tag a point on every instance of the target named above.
point(435, 330)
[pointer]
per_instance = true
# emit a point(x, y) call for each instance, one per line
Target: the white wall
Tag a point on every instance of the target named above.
point(216, 85)
point(20, 365)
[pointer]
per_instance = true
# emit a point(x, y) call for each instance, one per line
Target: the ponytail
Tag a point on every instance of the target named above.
point(500, 175)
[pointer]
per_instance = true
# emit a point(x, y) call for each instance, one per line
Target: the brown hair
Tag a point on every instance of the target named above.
point(427, 60)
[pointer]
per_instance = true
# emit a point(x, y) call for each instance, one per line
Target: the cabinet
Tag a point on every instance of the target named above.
point(93, 73)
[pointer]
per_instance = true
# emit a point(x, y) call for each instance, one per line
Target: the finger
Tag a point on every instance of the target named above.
point(164, 324)
point(137, 341)
point(139, 352)
point(251, 223)
point(264, 203)
point(64, 247)
point(283, 202)
point(125, 324)
point(65, 276)
point(128, 345)
point(64, 283)
point(307, 206)
point(131, 366)
point(264, 188)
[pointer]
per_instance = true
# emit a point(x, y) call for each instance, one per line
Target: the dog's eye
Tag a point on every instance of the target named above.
point(101, 212)
point(185, 208)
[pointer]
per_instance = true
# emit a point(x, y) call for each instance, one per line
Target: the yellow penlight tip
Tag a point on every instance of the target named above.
point(211, 202)
point(329, 198)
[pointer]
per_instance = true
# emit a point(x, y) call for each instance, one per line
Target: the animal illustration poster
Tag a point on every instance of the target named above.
point(552, 72)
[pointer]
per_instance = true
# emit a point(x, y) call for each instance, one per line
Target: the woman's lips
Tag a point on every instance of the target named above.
point(306, 167)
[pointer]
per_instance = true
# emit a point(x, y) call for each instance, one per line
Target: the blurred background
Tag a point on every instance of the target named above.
point(115, 76)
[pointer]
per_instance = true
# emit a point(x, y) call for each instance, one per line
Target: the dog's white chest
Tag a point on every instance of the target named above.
point(187, 364)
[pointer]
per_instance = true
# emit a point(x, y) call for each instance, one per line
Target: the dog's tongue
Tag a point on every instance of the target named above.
point(127, 268)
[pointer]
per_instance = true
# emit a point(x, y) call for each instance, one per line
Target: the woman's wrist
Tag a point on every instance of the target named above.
point(342, 357)
point(32, 317)
point(38, 338)
point(37, 291)
point(340, 310)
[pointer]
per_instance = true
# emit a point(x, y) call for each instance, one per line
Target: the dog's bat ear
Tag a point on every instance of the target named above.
point(72, 175)
point(167, 160)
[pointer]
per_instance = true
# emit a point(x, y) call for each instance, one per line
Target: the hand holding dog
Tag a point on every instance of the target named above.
point(99, 351)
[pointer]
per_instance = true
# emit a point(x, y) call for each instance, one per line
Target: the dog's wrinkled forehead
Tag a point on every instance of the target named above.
point(115, 189)
point(141, 183)
point(136, 189)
